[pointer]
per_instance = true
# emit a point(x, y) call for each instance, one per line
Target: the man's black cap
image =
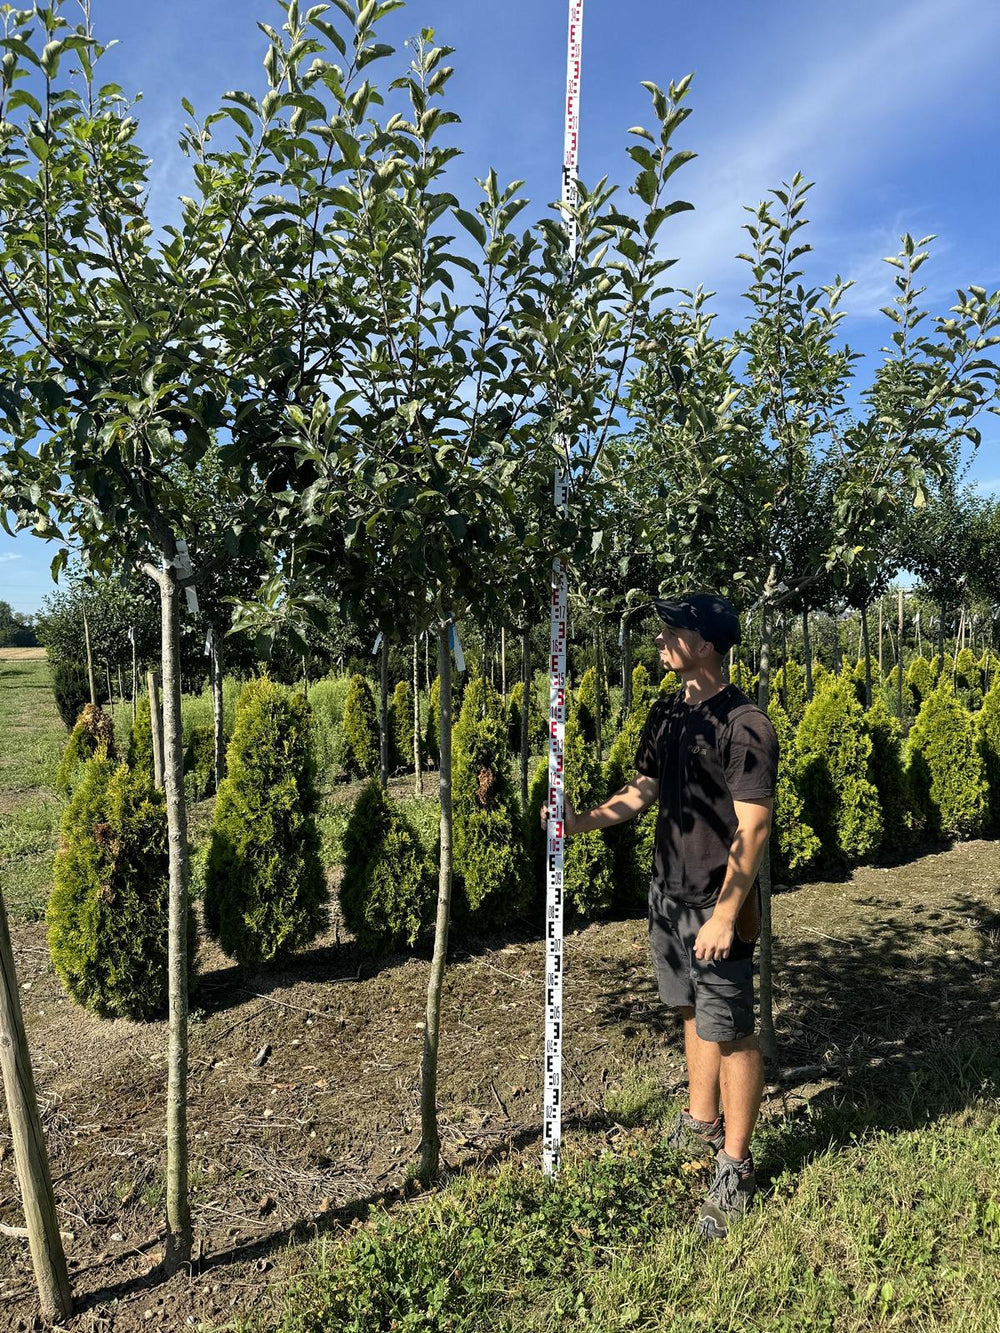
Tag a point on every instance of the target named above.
point(711, 616)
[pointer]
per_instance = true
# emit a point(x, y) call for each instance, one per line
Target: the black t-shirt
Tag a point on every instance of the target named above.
point(705, 756)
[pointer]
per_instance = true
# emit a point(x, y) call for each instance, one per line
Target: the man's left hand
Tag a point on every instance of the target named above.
point(714, 940)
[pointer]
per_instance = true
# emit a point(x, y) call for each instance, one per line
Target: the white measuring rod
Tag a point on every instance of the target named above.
point(552, 1120)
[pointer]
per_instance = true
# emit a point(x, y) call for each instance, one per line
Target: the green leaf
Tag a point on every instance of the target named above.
point(472, 224)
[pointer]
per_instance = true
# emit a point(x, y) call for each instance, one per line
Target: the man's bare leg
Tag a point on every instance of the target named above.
point(741, 1078)
point(703, 1063)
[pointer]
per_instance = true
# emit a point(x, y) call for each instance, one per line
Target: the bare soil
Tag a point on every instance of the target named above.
point(304, 1091)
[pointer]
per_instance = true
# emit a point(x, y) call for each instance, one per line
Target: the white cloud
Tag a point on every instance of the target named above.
point(7, 556)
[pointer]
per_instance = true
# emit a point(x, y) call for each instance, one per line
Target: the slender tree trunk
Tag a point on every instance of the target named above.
point(121, 683)
point(305, 680)
point(503, 661)
point(418, 780)
point(30, 1155)
point(135, 677)
point(525, 712)
point(626, 664)
point(155, 727)
point(784, 660)
point(430, 1144)
point(178, 1246)
point(383, 712)
point(899, 658)
point(940, 651)
point(768, 1041)
point(111, 697)
point(881, 666)
point(427, 665)
point(599, 694)
point(218, 717)
point(90, 660)
point(807, 655)
point(867, 650)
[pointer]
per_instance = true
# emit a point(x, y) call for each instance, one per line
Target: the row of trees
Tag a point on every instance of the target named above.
point(332, 393)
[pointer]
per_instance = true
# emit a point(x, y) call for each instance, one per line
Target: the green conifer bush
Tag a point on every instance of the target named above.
point(72, 690)
point(401, 728)
point(389, 891)
point(536, 720)
point(107, 914)
point(265, 890)
point(93, 734)
point(670, 683)
point(631, 844)
point(588, 704)
point(140, 741)
point(988, 738)
point(840, 802)
point(887, 771)
point(743, 680)
point(919, 680)
point(794, 844)
point(945, 766)
point(968, 680)
point(432, 730)
point(199, 762)
point(327, 698)
point(589, 872)
point(489, 854)
point(361, 729)
point(792, 693)
point(642, 688)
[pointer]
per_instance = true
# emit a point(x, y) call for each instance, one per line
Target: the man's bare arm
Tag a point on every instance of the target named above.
point(632, 800)
point(746, 852)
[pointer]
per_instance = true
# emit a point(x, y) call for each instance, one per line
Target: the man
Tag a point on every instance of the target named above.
point(709, 756)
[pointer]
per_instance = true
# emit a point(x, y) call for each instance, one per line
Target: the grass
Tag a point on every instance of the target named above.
point(865, 1225)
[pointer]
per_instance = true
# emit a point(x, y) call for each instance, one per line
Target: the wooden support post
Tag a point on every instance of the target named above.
point(899, 657)
point(90, 660)
point(30, 1155)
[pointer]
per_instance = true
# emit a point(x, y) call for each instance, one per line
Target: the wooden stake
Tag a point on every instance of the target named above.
point(30, 1155)
point(156, 727)
point(90, 660)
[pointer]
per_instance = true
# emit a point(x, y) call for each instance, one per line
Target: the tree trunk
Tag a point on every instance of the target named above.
point(121, 684)
point(418, 780)
point(30, 1156)
point(305, 680)
point(111, 697)
point(503, 661)
point(525, 712)
point(430, 1143)
point(899, 658)
point(217, 711)
point(156, 727)
point(135, 677)
point(768, 1042)
point(178, 1244)
point(940, 650)
point(383, 713)
point(90, 660)
point(599, 695)
point(626, 664)
point(881, 666)
point(867, 650)
point(807, 655)
point(427, 665)
point(784, 660)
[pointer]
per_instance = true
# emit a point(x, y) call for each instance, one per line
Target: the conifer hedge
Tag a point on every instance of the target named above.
point(140, 741)
point(401, 728)
point(988, 739)
point(107, 913)
point(388, 894)
point(265, 889)
point(199, 762)
point(93, 734)
point(361, 733)
point(839, 799)
point(326, 703)
point(887, 771)
point(794, 844)
point(918, 682)
point(72, 690)
point(590, 701)
point(631, 843)
point(945, 767)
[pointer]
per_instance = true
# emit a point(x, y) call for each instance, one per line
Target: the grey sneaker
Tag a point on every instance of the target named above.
point(729, 1197)
point(692, 1138)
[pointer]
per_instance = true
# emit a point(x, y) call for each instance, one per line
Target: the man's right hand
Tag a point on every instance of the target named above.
point(569, 819)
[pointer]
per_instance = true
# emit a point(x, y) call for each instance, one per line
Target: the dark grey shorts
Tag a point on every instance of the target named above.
point(720, 992)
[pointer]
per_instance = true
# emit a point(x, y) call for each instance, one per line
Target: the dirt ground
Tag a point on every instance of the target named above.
point(304, 1092)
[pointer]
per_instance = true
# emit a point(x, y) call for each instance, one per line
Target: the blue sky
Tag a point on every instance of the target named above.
point(891, 106)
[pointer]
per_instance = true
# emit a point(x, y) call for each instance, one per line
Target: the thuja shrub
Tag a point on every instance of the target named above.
point(988, 739)
point(631, 843)
point(840, 801)
point(536, 720)
point(401, 728)
point(72, 690)
point(588, 873)
point(918, 682)
point(326, 703)
point(794, 843)
point(945, 767)
point(265, 890)
point(792, 690)
point(388, 892)
point(642, 688)
point(968, 680)
point(361, 732)
point(670, 683)
point(591, 703)
point(888, 772)
point(93, 735)
point(432, 730)
point(140, 741)
point(107, 914)
point(489, 854)
point(199, 762)
point(742, 678)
